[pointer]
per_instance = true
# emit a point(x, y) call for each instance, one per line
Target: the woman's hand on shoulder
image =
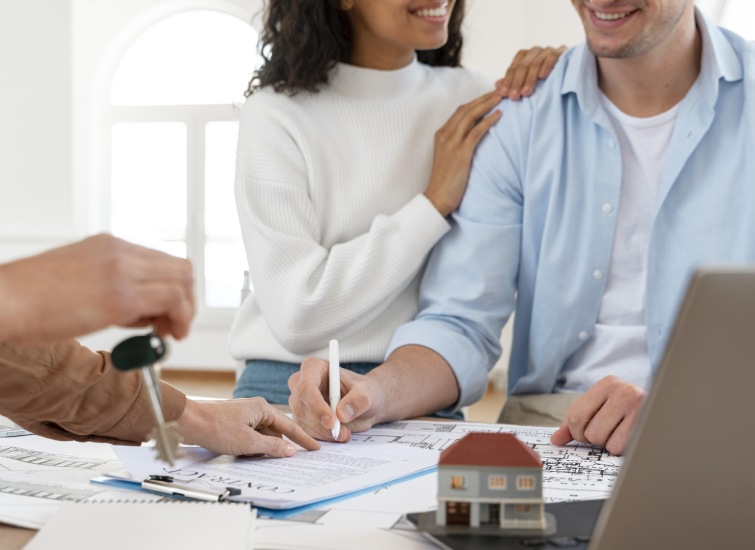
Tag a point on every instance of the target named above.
point(528, 67)
point(454, 147)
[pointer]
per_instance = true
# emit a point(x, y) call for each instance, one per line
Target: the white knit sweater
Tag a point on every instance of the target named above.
point(329, 193)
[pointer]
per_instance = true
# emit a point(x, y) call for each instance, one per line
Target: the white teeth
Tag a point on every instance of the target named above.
point(433, 12)
point(609, 16)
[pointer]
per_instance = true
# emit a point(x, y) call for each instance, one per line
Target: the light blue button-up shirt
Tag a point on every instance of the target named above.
point(538, 219)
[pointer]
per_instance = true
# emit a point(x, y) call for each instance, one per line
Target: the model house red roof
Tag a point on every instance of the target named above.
point(490, 449)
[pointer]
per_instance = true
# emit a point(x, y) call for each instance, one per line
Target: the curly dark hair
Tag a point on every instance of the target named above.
point(302, 40)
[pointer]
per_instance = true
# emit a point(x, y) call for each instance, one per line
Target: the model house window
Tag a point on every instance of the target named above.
point(497, 483)
point(457, 482)
point(173, 109)
point(525, 483)
point(523, 508)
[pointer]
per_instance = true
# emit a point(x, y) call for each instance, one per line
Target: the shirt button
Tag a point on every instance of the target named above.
point(611, 144)
point(582, 336)
point(607, 208)
point(597, 274)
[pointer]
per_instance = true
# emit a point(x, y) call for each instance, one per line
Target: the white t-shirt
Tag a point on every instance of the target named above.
point(619, 343)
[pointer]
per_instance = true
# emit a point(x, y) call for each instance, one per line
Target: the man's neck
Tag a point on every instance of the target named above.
point(652, 83)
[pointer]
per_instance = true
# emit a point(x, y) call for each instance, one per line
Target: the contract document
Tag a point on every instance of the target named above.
point(308, 477)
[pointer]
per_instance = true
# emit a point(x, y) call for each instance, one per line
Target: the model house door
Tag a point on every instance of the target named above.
point(457, 513)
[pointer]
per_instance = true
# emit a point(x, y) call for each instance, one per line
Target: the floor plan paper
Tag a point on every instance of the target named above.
point(572, 472)
point(38, 474)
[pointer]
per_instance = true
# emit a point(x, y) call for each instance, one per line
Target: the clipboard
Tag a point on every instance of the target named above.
point(213, 496)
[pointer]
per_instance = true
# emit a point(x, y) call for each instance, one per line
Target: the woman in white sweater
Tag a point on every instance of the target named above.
point(351, 154)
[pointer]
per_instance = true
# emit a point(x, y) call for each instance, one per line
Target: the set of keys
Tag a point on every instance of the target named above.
point(144, 352)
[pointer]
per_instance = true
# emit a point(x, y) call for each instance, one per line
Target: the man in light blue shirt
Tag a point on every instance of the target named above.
point(588, 207)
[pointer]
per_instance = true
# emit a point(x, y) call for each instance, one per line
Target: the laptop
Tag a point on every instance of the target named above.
point(688, 479)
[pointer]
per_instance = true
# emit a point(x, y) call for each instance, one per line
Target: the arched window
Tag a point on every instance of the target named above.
point(173, 109)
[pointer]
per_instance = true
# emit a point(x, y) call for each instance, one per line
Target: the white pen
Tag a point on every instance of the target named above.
point(334, 380)
point(166, 485)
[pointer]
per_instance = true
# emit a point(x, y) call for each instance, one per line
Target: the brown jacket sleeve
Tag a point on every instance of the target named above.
point(66, 391)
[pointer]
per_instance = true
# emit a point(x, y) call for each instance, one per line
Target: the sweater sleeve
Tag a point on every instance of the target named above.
point(66, 391)
point(308, 292)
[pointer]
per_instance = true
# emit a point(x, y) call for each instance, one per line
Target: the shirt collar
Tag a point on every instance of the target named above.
point(719, 60)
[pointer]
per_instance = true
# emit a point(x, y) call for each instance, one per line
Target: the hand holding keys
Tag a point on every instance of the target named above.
point(143, 352)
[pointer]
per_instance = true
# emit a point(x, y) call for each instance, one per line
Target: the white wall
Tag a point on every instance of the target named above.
point(36, 203)
point(494, 30)
point(51, 55)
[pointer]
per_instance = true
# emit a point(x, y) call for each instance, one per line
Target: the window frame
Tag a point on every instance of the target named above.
point(104, 115)
point(497, 482)
point(458, 482)
point(525, 482)
point(196, 118)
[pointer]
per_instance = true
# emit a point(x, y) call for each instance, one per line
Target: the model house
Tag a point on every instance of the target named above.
point(490, 478)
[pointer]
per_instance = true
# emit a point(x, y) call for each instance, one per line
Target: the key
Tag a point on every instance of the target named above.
point(143, 352)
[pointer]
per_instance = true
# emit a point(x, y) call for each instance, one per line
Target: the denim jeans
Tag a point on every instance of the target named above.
point(269, 379)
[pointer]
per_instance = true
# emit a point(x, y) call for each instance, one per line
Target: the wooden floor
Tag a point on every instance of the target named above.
point(220, 385)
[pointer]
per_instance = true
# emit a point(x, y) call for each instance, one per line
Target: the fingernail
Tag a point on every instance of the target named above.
point(324, 421)
point(349, 413)
point(290, 450)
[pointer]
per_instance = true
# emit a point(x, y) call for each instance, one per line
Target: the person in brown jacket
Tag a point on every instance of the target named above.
point(55, 387)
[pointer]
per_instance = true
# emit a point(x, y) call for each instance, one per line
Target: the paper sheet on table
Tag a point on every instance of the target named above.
point(307, 477)
point(38, 474)
point(336, 535)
